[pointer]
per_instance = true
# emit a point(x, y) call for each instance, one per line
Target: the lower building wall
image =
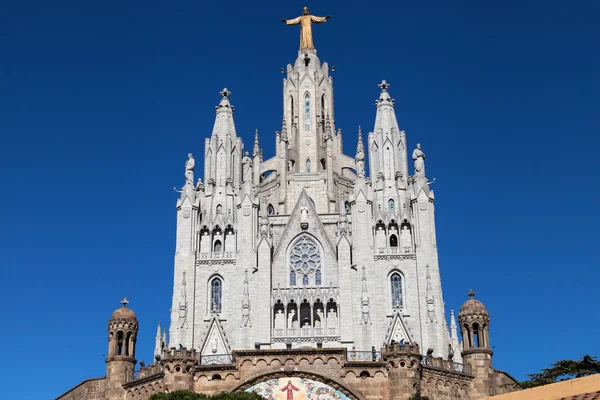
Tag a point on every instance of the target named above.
point(91, 389)
point(442, 385)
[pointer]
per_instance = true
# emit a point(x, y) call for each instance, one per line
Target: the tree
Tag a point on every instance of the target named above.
point(187, 395)
point(563, 370)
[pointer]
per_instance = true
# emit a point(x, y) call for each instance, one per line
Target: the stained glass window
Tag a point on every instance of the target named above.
point(216, 295)
point(307, 112)
point(305, 280)
point(292, 278)
point(396, 282)
point(318, 277)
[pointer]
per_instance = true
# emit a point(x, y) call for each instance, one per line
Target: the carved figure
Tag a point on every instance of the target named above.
point(304, 213)
point(189, 170)
point(405, 239)
point(306, 20)
point(246, 168)
point(279, 320)
point(331, 319)
point(419, 158)
point(360, 163)
point(291, 322)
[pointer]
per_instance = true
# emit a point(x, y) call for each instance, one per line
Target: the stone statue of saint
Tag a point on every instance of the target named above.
point(306, 20)
point(304, 213)
point(291, 323)
point(419, 157)
point(279, 320)
point(246, 168)
point(405, 239)
point(319, 319)
point(331, 319)
point(189, 170)
point(360, 163)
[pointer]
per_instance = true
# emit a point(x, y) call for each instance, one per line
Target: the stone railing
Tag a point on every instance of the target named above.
point(445, 364)
point(181, 354)
point(216, 359)
point(146, 371)
point(362, 356)
point(401, 348)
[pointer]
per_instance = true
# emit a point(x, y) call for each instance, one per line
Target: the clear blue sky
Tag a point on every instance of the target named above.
point(100, 102)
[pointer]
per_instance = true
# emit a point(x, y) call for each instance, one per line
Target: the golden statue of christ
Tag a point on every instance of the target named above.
point(306, 20)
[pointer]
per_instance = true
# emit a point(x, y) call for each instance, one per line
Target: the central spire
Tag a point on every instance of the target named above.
point(306, 20)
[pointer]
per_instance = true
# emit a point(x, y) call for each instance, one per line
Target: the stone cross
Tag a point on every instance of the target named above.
point(383, 85)
point(124, 302)
point(225, 92)
point(471, 294)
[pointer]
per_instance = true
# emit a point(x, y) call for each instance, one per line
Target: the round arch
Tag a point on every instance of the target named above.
point(290, 375)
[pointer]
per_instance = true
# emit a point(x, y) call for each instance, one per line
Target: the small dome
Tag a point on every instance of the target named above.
point(473, 307)
point(123, 313)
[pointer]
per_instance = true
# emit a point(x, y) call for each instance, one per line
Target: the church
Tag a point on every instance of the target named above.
point(298, 275)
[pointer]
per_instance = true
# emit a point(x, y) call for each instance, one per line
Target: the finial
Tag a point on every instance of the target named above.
point(225, 93)
point(124, 302)
point(471, 294)
point(384, 85)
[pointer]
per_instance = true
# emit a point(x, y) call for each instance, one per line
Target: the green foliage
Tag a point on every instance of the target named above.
point(187, 395)
point(563, 370)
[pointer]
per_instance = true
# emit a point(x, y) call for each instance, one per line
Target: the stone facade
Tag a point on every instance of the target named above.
point(304, 267)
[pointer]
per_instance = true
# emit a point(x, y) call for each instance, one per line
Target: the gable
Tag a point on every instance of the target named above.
point(398, 330)
point(215, 341)
point(315, 227)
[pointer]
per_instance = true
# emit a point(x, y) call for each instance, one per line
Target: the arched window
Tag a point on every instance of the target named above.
point(323, 109)
point(270, 209)
point(318, 277)
point(307, 165)
point(391, 205)
point(293, 278)
point(396, 282)
point(305, 280)
point(307, 112)
point(216, 291)
point(219, 209)
point(292, 108)
point(120, 343)
point(217, 247)
point(393, 241)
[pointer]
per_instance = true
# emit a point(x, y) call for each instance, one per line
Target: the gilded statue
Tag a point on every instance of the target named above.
point(306, 20)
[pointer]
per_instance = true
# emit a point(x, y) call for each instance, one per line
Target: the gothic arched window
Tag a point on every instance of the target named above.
point(216, 292)
point(217, 247)
point(391, 205)
point(292, 278)
point(396, 282)
point(393, 241)
point(305, 280)
point(219, 209)
point(307, 165)
point(318, 277)
point(307, 112)
point(270, 209)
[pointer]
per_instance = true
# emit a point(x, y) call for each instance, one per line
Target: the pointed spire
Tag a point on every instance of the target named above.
point(164, 338)
point(284, 133)
point(224, 125)
point(384, 96)
point(360, 146)
point(364, 299)
point(453, 329)
point(224, 104)
point(157, 345)
point(327, 126)
point(429, 296)
point(256, 149)
point(246, 303)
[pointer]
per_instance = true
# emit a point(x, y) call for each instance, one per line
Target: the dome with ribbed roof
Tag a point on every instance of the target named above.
point(473, 307)
point(123, 313)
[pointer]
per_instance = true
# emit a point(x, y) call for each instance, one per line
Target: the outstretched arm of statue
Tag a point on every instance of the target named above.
point(318, 20)
point(294, 21)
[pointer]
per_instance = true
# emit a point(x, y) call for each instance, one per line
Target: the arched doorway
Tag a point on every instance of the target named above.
point(297, 387)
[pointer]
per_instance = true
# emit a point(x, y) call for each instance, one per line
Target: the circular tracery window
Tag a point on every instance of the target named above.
point(305, 256)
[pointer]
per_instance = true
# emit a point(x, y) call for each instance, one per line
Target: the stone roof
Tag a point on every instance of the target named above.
point(473, 307)
point(123, 313)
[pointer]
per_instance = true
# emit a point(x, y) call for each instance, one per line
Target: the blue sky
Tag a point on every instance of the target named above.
point(100, 102)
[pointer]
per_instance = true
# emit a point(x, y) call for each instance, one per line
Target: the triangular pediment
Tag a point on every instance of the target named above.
point(315, 227)
point(215, 341)
point(398, 330)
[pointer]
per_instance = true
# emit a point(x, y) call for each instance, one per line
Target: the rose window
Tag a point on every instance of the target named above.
point(305, 256)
